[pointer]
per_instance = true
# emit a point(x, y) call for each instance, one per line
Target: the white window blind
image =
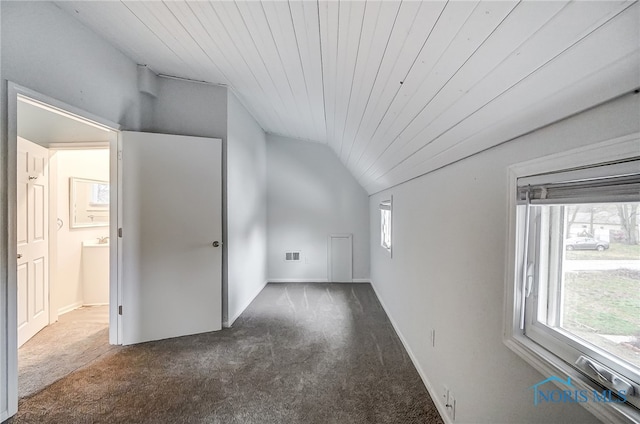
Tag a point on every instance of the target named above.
point(619, 182)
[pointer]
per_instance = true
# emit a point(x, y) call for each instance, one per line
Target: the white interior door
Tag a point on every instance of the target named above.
point(340, 258)
point(32, 239)
point(171, 218)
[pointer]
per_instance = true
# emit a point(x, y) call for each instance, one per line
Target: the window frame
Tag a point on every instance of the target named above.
point(543, 360)
point(386, 205)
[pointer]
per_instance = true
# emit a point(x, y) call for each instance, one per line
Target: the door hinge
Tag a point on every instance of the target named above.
point(120, 232)
point(120, 310)
point(119, 154)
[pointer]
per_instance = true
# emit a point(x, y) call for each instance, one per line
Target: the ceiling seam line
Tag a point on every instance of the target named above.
point(335, 94)
point(324, 100)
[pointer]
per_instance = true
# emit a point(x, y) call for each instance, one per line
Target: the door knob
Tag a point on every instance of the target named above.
point(216, 243)
point(19, 255)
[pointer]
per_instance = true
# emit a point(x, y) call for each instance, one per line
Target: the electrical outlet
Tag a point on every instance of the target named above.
point(451, 405)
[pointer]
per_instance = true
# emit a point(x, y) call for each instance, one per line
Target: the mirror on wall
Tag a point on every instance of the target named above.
point(88, 203)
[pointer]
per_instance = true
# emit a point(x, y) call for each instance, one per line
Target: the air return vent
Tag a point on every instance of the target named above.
point(292, 256)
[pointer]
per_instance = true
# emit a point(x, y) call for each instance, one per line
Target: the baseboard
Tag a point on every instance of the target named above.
point(314, 280)
point(95, 304)
point(230, 322)
point(361, 280)
point(435, 396)
point(298, 280)
point(69, 308)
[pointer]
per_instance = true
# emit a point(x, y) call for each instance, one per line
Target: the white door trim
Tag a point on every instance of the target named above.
point(8, 280)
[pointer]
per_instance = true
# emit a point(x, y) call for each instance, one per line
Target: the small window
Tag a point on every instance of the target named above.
point(385, 224)
point(99, 194)
point(578, 268)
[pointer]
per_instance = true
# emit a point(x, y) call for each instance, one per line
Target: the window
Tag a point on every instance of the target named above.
point(385, 224)
point(99, 194)
point(577, 276)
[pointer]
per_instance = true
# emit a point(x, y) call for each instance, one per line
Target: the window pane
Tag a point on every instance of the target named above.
point(594, 284)
point(385, 228)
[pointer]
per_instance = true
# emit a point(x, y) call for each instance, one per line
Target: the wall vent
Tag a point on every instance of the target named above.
point(292, 256)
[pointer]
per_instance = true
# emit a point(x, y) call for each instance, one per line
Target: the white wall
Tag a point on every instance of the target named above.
point(48, 51)
point(90, 164)
point(247, 214)
point(188, 108)
point(448, 270)
point(310, 195)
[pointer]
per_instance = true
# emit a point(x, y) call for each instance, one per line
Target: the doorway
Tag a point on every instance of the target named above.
point(173, 281)
point(340, 258)
point(63, 249)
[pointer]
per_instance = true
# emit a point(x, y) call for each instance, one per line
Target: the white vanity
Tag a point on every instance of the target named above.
point(95, 272)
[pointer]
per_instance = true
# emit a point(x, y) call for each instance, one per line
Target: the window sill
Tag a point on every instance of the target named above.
point(548, 364)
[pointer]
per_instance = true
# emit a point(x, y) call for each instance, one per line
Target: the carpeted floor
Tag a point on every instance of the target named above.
point(301, 353)
point(76, 340)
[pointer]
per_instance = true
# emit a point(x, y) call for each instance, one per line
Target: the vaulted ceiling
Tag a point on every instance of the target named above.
point(395, 88)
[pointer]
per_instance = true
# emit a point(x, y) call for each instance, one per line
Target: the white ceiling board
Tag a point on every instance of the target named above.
point(115, 19)
point(520, 65)
point(617, 51)
point(411, 33)
point(291, 71)
point(350, 31)
point(375, 35)
point(434, 75)
point(241, 71)
point(430, 100)
point(394, 88)
point(593, 90)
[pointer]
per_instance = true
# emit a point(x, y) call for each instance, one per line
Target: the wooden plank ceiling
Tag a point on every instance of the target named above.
point(397, 88)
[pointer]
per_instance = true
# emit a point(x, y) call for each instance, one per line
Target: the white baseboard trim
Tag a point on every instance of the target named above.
point(435, 396)
point(230, 322)
point(298, 280)
point(361, 280)
point(315, 280)
point(69, 308)
point(95, 304)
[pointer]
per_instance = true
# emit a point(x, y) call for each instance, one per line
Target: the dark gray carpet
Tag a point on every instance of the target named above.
point(301, 353)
